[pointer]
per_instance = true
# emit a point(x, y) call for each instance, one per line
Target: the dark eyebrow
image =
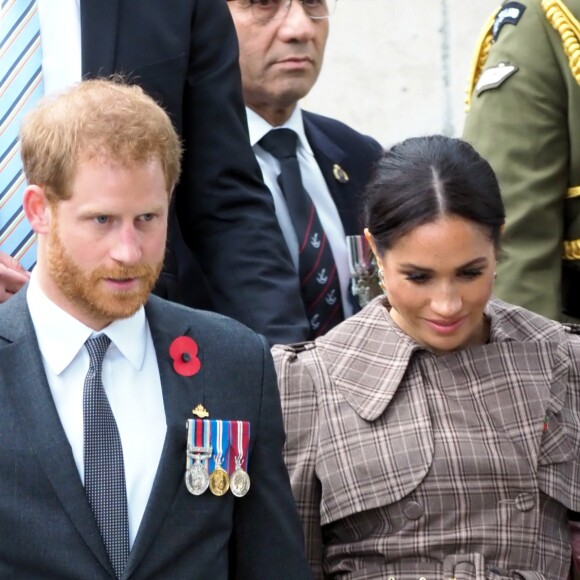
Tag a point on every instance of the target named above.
point(477, 262)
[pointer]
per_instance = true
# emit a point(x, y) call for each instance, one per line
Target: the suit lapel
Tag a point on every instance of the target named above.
point(180, 396)
point(328, 155)
point(27, 384)
point(98, 36)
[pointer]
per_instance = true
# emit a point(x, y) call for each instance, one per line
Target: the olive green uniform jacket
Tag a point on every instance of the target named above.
point(524, 118)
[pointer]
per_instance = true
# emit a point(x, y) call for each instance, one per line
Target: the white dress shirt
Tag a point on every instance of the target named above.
point(315, 185)
point(60, 37)
point(131, 381)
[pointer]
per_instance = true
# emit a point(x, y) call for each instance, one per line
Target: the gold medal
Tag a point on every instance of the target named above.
point(219, 482)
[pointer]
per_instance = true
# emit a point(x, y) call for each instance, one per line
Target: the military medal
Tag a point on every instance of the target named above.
point(198, 452)
point(197, 478)
point(239, 482)
point(219, 481)
point(240, 439)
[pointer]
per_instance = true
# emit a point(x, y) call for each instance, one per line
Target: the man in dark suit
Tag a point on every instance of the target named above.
point(281, 52)
point(98, 379)
point(185, 55)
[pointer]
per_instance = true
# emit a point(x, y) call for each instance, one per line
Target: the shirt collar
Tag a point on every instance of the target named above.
point(258, 127)
point(60, 347)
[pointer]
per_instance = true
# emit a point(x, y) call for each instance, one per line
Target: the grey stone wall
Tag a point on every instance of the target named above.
point(399, 68)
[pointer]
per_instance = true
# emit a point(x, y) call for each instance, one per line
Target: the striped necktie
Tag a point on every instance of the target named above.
point(316, 267)
point(20, 87)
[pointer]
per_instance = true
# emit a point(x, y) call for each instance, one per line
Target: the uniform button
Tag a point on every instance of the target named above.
point(391, 578)
point(413, 511)
point(525, 502)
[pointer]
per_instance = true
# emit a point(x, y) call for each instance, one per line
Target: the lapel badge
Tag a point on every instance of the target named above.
point(340, 174)
point(183, 350)
point(200, 412)
point(494, 77)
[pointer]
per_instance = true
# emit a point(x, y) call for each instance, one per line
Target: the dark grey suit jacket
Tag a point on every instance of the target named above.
point(48, 530)
point(185, 54)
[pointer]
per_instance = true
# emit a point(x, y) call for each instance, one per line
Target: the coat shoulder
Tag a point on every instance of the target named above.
point(341, 133)
point(221, 328)
point(523, 325)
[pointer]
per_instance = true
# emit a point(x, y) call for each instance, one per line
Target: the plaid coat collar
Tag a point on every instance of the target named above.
point(367, 355)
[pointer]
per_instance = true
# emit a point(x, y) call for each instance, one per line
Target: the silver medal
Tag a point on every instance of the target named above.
point(196, 471)
point(239, 482)
point(197, 478)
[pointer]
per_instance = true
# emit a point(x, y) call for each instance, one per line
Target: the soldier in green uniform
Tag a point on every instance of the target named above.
point(524, 117)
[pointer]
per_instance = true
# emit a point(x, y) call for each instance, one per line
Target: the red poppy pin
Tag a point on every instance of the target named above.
point(183, 351)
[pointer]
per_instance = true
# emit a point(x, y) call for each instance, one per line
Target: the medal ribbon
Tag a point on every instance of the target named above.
point(206, 434)
point(195, 436)
point(240, 440)
point(198, 433)
point(219, 442)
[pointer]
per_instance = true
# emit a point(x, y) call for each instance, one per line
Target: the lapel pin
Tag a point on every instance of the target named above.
point(340, 174)
point(200, 412)
point(183, 351)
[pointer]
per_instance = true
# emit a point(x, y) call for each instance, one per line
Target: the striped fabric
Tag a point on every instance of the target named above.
point(409, 465)
point(20, 87)
point(316, 267)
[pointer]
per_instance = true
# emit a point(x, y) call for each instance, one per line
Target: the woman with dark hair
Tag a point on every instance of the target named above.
point(436, 434)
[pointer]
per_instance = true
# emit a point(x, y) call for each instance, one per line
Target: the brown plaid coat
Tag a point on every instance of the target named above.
point(407, 465)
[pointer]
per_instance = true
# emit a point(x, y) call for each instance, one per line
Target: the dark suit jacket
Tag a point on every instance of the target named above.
point(184, 53)
point(48, 530)
point(334, 143)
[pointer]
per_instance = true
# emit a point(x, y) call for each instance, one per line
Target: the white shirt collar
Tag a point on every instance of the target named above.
point(61, 336)
point(259, 127)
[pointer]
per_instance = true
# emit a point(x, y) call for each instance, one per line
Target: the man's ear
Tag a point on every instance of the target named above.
point(37, 208)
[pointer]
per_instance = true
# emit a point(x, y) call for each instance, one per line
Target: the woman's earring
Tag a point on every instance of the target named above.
point(495, 275)
point(382, 279)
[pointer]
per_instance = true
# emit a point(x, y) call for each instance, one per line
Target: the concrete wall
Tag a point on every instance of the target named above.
point(399, 68)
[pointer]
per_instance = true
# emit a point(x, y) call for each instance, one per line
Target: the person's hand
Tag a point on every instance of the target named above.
point(12, 276)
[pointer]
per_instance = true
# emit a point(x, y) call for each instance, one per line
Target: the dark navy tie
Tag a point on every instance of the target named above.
point(317, 269)
point(103, 454)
